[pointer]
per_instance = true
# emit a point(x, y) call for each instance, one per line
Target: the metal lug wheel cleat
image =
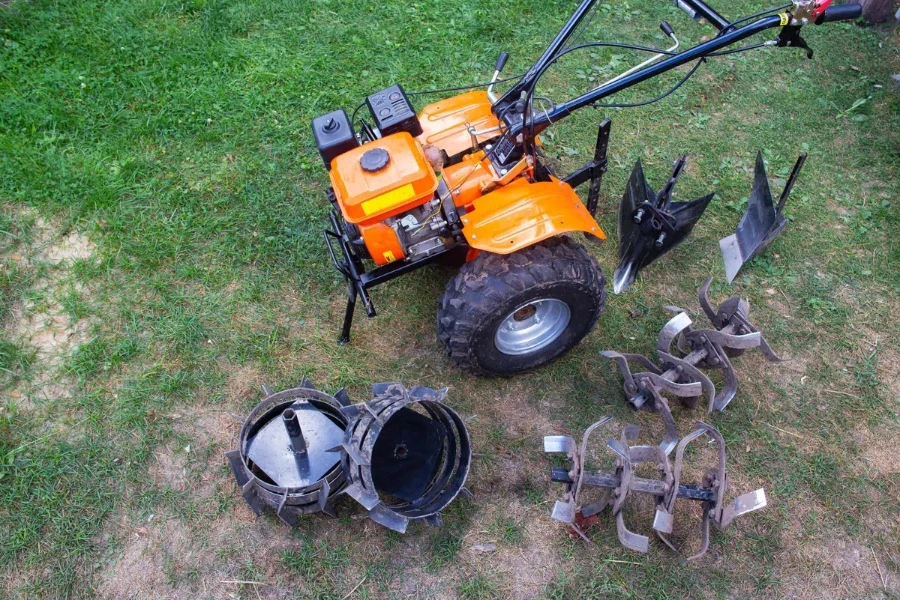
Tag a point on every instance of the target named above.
point(679, 371)
point(622, 481)
point(404, 455)
point(284, 459)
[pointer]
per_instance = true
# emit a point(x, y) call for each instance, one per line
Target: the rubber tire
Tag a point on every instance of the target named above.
point(491, 286)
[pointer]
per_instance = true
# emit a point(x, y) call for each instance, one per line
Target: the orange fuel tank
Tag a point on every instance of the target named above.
point(381, 179)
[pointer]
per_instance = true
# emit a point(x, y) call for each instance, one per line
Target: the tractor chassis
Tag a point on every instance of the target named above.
point(359, 280)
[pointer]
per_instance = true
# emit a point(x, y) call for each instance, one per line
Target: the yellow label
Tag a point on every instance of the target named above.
point(389, 256)
point(389, 199)
point(785, 19)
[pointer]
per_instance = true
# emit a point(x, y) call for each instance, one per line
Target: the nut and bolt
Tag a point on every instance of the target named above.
point(639, 215)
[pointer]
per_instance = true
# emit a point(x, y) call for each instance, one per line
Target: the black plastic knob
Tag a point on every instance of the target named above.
point(374, 160)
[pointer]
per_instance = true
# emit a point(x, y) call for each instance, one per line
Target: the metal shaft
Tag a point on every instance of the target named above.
point(292, 425)
point(695, 357)
point(654, 487)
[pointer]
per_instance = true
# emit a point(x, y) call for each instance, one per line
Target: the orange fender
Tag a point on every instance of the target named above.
point(522, 213)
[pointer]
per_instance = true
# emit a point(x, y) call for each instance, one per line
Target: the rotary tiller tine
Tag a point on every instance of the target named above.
point(671, 330)
point(629, 539)
point(703, 299)
point(650, 225)
point(564, 510)
point(761, 223)
point(736, 312)
point(622, 360)
point(716, 483)
point(665, 412)
point(692, 372)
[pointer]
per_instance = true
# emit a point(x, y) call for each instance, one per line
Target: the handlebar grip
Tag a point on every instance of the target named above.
point(843, 12)
point(501, 61)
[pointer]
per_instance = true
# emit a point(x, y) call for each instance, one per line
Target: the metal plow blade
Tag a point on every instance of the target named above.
point(762, 222)
point(651, 224)
point(679, 371)
point(620, 483)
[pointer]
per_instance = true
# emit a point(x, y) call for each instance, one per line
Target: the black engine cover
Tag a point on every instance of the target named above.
point(392, 112)
point(334, 136)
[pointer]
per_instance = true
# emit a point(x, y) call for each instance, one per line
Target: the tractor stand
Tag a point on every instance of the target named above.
point(358, 279)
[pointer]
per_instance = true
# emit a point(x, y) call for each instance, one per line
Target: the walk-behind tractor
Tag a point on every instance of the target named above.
point(464, 180)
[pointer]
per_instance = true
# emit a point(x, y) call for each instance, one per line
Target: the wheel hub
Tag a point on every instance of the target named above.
point(532, 326)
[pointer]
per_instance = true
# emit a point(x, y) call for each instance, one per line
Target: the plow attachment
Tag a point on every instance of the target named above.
point(762, 222)
point(620, 483)
point(650, 224)
point(679, 371)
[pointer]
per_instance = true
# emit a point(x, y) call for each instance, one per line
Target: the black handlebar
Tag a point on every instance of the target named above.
point(844, 12)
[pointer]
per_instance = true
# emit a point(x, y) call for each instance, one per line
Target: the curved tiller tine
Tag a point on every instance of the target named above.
point(710, 509)
point(738, 342)
point(729, 387)
point(665, 413)
point(629, 539)
point(564, 510)
point(665, 513)
point(622, 360)
point(747, 326)
point(693, 372)
point(581, 457)
point(670, 331)
point(703, 299)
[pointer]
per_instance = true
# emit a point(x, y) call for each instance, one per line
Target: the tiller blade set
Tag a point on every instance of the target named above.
point(650, 224)
point(679, 371)
point(622, 481)
point(403, 456)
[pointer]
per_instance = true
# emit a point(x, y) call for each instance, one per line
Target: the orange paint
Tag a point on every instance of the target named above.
point(523, 213)
point(382, 243)
point(407, 180)
point(445, 123)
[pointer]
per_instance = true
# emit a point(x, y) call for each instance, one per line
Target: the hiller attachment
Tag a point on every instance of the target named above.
point(678, 373)
point(651, 224)
point(762, 222)
point(622, 481)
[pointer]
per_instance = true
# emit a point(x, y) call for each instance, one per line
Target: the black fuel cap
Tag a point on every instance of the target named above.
point(374, 160)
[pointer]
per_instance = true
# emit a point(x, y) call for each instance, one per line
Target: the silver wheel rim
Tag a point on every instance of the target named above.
point(532, 326)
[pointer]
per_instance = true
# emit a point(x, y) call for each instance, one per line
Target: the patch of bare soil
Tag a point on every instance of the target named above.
point(878, 450)
point(814, 559)
point(41, 321)
point(527, 567)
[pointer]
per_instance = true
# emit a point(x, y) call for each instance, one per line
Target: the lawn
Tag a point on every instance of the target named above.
point(161, 259)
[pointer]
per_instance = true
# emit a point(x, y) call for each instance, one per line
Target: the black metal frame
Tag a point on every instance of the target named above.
point(354, 271)
point(595, 169)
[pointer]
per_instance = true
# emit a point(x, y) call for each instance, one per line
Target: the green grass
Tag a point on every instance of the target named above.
point(176, 136)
